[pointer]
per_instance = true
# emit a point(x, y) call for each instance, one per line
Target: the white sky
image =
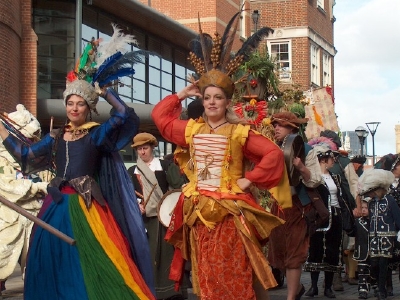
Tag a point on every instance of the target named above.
point(367, 68)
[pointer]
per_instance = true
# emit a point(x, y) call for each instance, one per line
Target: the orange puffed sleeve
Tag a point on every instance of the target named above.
point(166, 117)
point(268, 159)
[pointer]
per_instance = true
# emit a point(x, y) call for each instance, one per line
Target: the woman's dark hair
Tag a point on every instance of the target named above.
point(323, 158)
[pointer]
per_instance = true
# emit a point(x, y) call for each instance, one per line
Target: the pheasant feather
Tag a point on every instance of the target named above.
point(228, 38)
point(196, 47)
point(253, 41)
point(206, 55)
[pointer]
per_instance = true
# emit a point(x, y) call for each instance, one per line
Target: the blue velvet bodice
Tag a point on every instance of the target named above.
point(82, 158)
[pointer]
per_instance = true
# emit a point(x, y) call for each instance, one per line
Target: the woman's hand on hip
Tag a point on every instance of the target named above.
point(244, 183)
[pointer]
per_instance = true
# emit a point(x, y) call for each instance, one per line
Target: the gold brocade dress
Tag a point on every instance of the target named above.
point(223, 227)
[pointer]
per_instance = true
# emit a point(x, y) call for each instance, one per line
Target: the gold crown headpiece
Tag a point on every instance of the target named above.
point(212, 57)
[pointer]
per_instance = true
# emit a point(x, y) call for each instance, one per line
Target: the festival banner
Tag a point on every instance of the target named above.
point(320, 111)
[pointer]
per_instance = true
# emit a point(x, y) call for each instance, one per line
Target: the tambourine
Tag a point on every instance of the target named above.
point(167, 205)
point(293, 146)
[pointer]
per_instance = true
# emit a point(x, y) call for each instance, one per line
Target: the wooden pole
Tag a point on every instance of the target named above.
point(148, 197)
point(38, 221)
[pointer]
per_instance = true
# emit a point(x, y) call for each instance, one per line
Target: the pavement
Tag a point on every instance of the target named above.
point(350, 291)
point(14, 286)
point(15, 289)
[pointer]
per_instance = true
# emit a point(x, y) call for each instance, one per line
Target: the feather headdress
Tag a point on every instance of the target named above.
point(212, 57)
point(102, 63)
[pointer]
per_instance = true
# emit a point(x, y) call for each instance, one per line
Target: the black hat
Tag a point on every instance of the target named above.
point(195, 109)
point(358, 159)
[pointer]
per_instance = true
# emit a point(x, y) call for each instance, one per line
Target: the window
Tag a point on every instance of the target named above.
point(242, 26)
point(281, 53)
point(326, 71)
point(320, 4)
point(315, 64)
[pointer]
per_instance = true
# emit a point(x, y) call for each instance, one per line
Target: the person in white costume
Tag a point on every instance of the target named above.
point(15, 229)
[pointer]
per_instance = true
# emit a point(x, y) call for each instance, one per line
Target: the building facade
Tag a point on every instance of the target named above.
point(351, 143)
point(41, 41)
point(303, 41)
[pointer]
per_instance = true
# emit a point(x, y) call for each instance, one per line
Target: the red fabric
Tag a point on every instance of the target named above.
point(68, 190)
point(268, 158)
point(177, 268)
point(166, 117)
point(329, 90)
point(178, 263)
point(224, 270)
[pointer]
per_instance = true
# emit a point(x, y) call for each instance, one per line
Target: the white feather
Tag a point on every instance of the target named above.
point(119, 43)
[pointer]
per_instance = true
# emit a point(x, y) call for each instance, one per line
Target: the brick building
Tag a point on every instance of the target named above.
point(42, 39)
point(303, 41)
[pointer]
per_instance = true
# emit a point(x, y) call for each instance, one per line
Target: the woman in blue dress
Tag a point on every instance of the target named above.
point(101, 265)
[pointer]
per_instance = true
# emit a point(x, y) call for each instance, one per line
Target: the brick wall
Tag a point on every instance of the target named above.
point(273, 13)
point(10, 58)
point(18, 71)
point(301, 62)
point(28, 76)
point(298, 13)
point(214, 14)
point(320, 21)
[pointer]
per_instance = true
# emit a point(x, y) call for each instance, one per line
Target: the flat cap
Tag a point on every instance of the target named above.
point(144, 138)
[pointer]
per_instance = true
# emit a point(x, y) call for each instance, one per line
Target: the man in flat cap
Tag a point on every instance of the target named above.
point(384, 215)
point(152, 178)
point(289, 243)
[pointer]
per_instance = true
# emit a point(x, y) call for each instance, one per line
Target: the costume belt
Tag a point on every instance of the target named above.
point(85, 186)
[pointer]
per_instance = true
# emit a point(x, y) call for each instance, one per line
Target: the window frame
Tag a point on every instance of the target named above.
point(282, 74)
point(326, 69)
point(315, 65)
point(321, 4)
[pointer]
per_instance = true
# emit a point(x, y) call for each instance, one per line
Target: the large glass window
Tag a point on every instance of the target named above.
point(55, 28)
point(54, 22)
point(155, 77)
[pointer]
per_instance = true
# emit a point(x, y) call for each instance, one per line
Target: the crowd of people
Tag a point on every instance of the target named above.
point(213, 241)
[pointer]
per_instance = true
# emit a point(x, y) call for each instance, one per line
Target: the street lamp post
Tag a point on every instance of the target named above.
point(372, 127)
point(362, 134)
point(255, 17)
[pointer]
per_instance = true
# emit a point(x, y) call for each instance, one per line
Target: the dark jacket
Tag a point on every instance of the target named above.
point(361, 248)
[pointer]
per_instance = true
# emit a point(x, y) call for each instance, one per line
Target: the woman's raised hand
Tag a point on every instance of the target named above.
point(192, 90)
point(3, 132)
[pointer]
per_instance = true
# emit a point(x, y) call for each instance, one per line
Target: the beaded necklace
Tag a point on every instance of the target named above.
point(213, 128)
